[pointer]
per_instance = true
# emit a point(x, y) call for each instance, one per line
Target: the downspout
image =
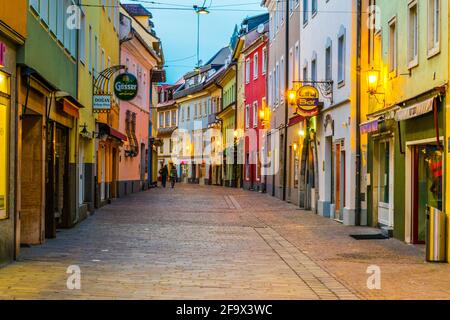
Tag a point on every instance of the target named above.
point(358, 117)
point(286, 104)
point(150, 131)
point(235, 124)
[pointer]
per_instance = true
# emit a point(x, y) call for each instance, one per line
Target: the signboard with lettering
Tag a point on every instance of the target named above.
point(126, 87)
point(308, 101)
point(102, 102)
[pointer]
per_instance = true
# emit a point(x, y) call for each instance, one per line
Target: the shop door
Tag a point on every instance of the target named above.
point(103, 174)
point(81, 172)
point(56, 179)
point(337, 181)
point(385, 183)
point(427, 187)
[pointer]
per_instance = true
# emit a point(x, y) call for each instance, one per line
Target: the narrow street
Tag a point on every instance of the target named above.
point(216, 243)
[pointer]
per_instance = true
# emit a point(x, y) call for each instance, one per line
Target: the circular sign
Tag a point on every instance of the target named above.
point(308, 101)
point(126, 86)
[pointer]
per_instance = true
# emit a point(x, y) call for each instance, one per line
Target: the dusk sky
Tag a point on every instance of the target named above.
point(176, 24)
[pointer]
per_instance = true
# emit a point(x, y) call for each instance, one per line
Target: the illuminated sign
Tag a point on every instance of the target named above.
point(308, 101)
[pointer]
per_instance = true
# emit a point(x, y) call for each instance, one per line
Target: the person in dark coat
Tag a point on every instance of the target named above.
point(173, 176)
point(164, 172)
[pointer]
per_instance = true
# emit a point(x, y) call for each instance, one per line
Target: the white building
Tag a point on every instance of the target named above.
point(328, 52)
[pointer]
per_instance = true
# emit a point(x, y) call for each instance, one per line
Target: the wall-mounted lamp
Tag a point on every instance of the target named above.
point(292, 97)
point(373, 79)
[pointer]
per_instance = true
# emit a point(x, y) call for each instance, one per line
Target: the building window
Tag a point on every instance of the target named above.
point(270, 89)
point(314, 70)
point(305, 72)
point(413, 35)
point(313, 7)
point(292, 68)
point(90, 48)
point(83, 38)
point(247, 71)
point(434, 26)
point(328, 63)
point(161, 120)
point(264, 60)
point(167, 115)
point(305, 11)
point(255, 114)
point(174, 118)
point(255, 66)
point(341, 59)
point(393, 45)
point(277, 82)
point(247, 116)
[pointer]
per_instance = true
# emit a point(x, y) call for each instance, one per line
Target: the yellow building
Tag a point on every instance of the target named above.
point(13, 31)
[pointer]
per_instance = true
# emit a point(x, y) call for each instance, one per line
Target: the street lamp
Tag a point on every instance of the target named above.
point(199, 11)
point(373, 78)
point(292, 96)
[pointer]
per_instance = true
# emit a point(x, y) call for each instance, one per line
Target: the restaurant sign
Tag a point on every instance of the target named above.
point(102, 102)
point(308, 101)
point(126, 87)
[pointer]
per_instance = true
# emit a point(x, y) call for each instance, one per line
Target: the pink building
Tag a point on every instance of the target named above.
point(140, 57)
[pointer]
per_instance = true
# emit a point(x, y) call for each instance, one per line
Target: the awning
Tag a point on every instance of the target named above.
point(71, 109)
point(369, 127)
point(416, 110)
point(103, 127)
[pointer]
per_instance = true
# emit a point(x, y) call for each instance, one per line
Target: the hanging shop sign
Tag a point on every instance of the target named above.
point(369, 127)
point(2, 54)
point(102, 102)
point(126, 87)
point(415, 110)
point(308, 101)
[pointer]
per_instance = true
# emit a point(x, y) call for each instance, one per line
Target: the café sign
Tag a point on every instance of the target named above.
point(102, 102)
point(126, 87)
point(308, 101)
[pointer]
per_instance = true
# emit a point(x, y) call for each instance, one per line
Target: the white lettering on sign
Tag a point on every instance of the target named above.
point(120, 86)
point(102, 102)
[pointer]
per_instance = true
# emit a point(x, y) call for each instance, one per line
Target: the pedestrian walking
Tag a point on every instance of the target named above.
point(173, 176)
point(164, 172)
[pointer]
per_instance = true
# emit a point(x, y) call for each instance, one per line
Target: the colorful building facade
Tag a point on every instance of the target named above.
point(13, 32)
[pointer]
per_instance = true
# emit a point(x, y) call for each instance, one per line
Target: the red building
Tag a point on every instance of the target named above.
point(256, 56)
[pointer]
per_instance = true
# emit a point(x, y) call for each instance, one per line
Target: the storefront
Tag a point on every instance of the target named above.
point(381, 130)
point(422, 148)
point(6, 175)
point(110, 142)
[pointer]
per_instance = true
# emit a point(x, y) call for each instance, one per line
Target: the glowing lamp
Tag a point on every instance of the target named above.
point(373, 78)
point(292, 96)
point(301, 133)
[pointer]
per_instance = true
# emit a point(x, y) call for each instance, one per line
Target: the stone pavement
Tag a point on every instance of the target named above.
point(199, 242)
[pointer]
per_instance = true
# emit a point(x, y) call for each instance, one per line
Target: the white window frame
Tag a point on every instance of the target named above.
point(434, 27)
point(393, 47)
point(255, 114)
point(247, 116)
point(255, 66)
point(413, 34)
point(264, 60)
point(247, 71)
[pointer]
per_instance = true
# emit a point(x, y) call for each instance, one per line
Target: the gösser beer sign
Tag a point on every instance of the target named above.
point(126, 87)
point(308, 101)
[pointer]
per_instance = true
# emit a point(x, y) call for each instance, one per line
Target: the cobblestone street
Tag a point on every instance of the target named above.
point(217, 243)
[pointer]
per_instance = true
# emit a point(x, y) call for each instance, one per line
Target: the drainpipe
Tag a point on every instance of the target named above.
point(150, 130)
point(286, 104)
point(358, 118)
